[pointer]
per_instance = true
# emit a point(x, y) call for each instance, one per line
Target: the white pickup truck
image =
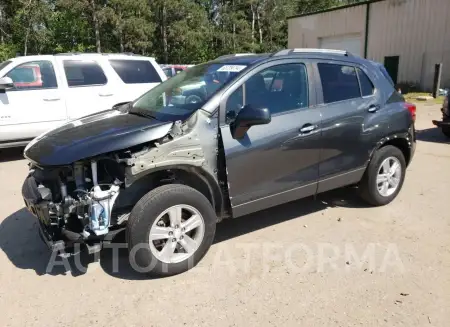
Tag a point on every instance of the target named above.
point(38, 93)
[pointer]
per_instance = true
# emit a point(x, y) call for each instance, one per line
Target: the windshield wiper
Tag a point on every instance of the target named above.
point(142, 114)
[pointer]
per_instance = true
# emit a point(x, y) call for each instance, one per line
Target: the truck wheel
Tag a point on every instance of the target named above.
point(446, 131)
point(170, 229)
point(384, 176)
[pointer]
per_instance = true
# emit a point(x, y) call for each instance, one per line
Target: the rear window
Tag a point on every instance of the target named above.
point(366, 84)
point(386, 74)
point(135, 71)
point(339, 82)
point(83, 73)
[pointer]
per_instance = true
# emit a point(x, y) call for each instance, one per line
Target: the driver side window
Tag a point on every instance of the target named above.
point(33, 75)
point(279, 88)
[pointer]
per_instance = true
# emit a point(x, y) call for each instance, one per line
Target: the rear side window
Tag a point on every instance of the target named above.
point(83, 73)
point(339, 82)
point(135, 71)
point(386, 74)
point(366, 84)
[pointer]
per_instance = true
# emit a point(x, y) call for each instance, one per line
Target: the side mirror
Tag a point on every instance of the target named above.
point(247, 117)
point(6, 83)
point(120, 104)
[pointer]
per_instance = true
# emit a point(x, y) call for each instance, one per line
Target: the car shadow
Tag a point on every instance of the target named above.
point(11, 154)
point(20, 240)
point(433, 134)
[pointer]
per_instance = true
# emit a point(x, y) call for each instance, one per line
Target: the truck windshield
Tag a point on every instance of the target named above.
point(179, 96)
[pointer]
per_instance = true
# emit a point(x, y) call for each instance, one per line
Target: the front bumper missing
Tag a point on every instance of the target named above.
point(40, 211)
point(51, 228)
point(46, 238)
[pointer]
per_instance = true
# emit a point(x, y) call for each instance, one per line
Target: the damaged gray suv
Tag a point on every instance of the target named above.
point(265, 130)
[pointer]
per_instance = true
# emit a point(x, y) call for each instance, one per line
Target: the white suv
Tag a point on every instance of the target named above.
point(38, 93)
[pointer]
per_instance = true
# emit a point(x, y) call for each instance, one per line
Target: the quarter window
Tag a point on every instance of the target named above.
point(83, 73)
point(33, 75)
point(365, 83)
point(135, 71)
point(339, 82)
point(280, 88)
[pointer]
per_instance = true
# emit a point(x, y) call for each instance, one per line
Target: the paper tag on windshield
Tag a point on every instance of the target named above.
point(231, 68)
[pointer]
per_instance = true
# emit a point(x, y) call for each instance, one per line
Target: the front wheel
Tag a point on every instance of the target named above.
point(446, 130)
point(170, 230)
point(384, 176)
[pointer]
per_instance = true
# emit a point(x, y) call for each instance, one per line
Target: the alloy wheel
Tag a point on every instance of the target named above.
point(389, 176)
point(176, 233)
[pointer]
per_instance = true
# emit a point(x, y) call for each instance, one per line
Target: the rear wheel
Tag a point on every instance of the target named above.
point(384, 176)
point(170, 230)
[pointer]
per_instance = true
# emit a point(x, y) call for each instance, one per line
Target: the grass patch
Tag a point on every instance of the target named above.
point(412, 97)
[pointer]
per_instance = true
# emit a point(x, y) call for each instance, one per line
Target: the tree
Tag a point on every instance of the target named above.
point(185, 31)
point(92, 11)
point(130, 21)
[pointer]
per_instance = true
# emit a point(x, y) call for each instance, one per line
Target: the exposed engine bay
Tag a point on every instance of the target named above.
point(88, 200)
point(75, 202)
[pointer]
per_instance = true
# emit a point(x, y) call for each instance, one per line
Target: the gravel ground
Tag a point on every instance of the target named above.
point(325, 262)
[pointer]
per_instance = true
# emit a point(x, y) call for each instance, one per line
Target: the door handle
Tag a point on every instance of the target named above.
point(105, 94)
point(52, 99)
point(308, 128)
point(373, 108)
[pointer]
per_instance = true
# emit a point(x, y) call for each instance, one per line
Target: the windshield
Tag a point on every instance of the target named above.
point(178, 97)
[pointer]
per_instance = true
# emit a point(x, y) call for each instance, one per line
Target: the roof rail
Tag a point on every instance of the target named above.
point(97, 53)
point(234, 55)
point(311, 50)
point(67, 53)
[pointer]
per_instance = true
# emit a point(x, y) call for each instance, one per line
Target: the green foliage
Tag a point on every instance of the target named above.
point(181, 31)
point(7, 51)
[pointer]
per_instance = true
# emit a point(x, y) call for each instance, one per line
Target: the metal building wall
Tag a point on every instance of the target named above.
point(305, 32)
point(416, 30)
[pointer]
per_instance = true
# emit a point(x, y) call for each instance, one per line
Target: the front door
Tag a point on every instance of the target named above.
point(34, 105)
point(277, 162)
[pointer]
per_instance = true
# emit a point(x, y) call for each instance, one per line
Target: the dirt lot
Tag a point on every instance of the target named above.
point(328, 262)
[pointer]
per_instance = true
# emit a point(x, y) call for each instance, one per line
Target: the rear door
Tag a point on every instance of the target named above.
point(349, 103)
point(277, 162)
point(35, 104)
point(88, 88)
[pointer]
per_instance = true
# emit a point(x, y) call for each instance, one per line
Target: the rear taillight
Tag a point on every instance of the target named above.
point(412, 110)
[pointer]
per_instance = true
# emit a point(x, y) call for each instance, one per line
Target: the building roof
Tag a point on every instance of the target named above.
point(362, 3)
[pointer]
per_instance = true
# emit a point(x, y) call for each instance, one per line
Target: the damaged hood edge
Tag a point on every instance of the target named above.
point(94, 135)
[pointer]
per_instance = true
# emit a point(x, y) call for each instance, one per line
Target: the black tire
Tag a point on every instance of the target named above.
point(145, 212)
point(446, 131)
point(368, 185)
